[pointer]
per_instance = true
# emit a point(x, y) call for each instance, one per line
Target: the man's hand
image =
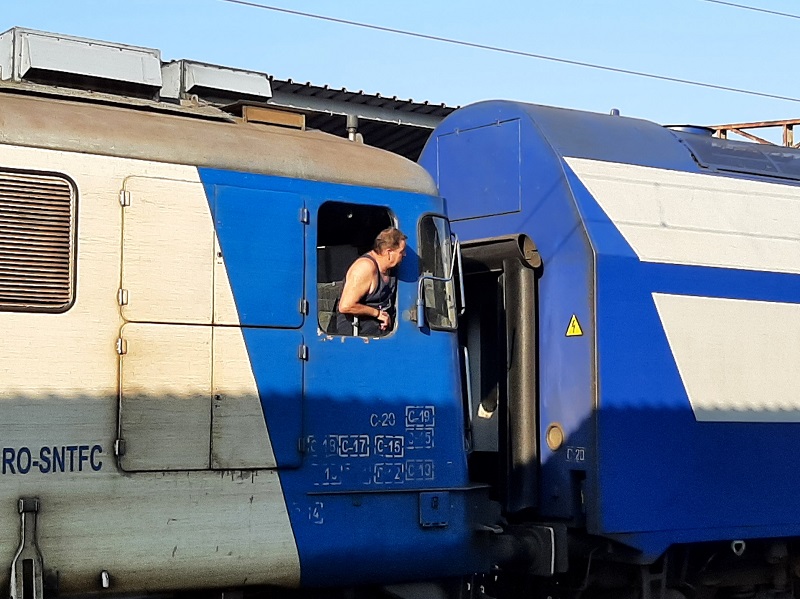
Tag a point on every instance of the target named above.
point(385, 320)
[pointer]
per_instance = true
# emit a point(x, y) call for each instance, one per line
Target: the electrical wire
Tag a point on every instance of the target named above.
point(754, 8)
point(578, 63)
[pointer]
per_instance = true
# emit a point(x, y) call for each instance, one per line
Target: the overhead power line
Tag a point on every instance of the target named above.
point(754, 8)
point(457, 42)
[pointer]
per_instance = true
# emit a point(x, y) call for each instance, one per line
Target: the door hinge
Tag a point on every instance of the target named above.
point(124, 198)
point(304, 307)
point(305, 216)
point(122, 346)
point(122, 297)
point(302, 352)
point(119, 448)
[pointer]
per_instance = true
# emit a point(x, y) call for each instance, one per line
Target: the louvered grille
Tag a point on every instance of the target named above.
point(37, 215)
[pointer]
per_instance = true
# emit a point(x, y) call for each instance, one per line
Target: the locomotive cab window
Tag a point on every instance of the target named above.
point(37, 242)
point(344, 232)
point(436, 257)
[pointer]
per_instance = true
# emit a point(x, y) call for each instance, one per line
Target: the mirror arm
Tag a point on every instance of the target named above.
point(420, 304)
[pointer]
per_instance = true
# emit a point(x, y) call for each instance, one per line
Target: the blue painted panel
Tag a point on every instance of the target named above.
point(279, 378)
point(551, 218)
point(469, 149)
point(363, 538)
point(263, 243)
point(578, 134)
point(663, 477)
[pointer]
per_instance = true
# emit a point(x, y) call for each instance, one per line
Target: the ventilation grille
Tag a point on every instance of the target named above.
point(36, 242)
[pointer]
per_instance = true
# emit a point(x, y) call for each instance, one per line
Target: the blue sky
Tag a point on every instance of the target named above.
point(689, 39)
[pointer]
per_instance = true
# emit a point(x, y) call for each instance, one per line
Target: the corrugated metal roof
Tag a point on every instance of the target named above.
point(393, 124)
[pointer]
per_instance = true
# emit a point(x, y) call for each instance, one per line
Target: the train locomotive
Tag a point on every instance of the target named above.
point(174, 413)
point(633, 326)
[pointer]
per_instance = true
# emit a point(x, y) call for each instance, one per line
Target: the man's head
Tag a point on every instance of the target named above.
point(391, 243)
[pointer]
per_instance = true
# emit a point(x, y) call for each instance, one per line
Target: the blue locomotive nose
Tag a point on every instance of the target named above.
point(368, 431)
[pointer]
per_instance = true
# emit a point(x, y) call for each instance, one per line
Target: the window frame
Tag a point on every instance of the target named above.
point(392, 221)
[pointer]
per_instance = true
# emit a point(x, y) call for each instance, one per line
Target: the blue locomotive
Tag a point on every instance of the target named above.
point(633, 332)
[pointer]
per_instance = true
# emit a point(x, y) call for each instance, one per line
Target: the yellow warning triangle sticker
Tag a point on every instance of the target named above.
point(574, 329)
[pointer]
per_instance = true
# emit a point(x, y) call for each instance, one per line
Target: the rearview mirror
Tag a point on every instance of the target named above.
point(455, 257)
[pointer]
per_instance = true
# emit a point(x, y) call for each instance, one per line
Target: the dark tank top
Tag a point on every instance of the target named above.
point(382, 299)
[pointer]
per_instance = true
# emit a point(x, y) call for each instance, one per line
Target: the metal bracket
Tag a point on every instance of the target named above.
point(302, 352)
point(305, 216)
point(119, 447)
point(124, 198)
point(304, 307)
point(434, 509)
point(27, 568)
point(122, 346)
point(122, 297)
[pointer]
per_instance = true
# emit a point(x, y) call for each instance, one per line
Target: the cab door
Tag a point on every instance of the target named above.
point(166, 298)
point(259, 307)
point(212, 301)
point(357, 388)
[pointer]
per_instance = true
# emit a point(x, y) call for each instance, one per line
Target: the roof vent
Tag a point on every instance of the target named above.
point(212, 83)
point(48, 58)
